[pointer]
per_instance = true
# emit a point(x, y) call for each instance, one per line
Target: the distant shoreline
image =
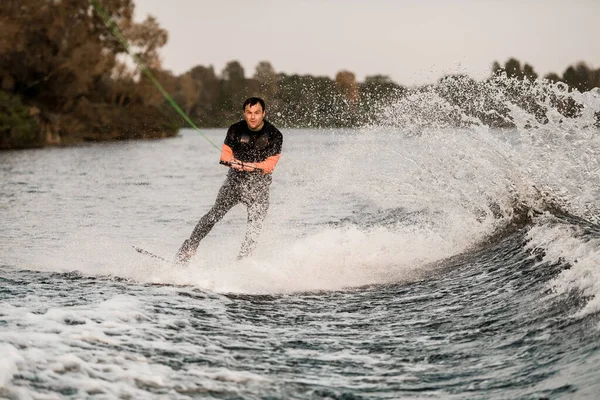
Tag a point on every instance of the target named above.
point(77, 87)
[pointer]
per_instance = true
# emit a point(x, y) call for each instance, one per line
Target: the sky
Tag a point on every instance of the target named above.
point(414, 42)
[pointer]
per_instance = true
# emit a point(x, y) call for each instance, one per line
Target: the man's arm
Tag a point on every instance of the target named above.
point(229, 159)
point(226, 154)
point(268, 165)
point(226, 151)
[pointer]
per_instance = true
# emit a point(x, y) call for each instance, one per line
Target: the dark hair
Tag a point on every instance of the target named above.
point(252, 101)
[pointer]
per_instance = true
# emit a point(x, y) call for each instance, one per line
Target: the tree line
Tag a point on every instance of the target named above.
point(65, 78)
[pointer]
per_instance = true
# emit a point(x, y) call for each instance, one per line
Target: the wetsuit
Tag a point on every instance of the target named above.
point(262, 147)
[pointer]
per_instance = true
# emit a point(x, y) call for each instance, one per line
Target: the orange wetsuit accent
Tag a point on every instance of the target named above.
point(269, 164)
point(226, 153)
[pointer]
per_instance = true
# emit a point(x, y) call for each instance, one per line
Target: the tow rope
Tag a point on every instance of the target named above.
point(115, 31)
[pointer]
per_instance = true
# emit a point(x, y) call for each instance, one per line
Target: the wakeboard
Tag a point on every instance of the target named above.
point(147, 253)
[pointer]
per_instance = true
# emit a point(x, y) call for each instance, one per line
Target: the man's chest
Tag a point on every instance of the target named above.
point(248, 140)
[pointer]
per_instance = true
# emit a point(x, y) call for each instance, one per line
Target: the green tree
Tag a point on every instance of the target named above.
point(512, 68)
point(581, 77)
point(529, 73)
point(552, 77)
point(233, 91)
point(267, 84)
point(376, 93)
point(208, 84)
point(266, 77)
point(60, 57)
point(18, 128)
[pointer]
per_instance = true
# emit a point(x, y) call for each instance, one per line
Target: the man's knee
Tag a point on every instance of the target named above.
point(258, 211)
point(217, 212)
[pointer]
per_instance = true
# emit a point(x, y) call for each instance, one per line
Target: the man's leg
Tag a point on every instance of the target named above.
point(227, 198)
point(257, 211)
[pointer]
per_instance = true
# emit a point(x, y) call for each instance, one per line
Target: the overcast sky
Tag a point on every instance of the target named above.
point(412, 41)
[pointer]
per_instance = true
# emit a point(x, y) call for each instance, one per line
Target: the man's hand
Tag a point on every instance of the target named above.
point(236, 164)
point(240, 166)
point(249, 167)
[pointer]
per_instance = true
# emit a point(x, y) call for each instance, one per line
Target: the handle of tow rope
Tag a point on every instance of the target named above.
point(228, 164)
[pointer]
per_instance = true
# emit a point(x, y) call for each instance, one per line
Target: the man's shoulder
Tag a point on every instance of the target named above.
point(271, 128)
point(238, 125)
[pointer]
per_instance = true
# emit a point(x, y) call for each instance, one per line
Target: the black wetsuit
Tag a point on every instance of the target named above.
point(254, 146)
point(248, 188)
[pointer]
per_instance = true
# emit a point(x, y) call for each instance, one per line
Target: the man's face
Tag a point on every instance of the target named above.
point(254, 115)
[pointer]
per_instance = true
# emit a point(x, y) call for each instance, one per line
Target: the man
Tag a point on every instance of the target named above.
point(252, 149)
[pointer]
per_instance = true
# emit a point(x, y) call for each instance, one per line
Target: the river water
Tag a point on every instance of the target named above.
point(453, 263)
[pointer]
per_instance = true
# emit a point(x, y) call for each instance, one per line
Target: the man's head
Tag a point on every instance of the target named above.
point(254, 112)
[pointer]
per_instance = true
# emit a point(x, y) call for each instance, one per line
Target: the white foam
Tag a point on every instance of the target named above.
point(8, 363)
point(90, 356)
point(566, 244)
point(328, 259)
point(227, 375)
